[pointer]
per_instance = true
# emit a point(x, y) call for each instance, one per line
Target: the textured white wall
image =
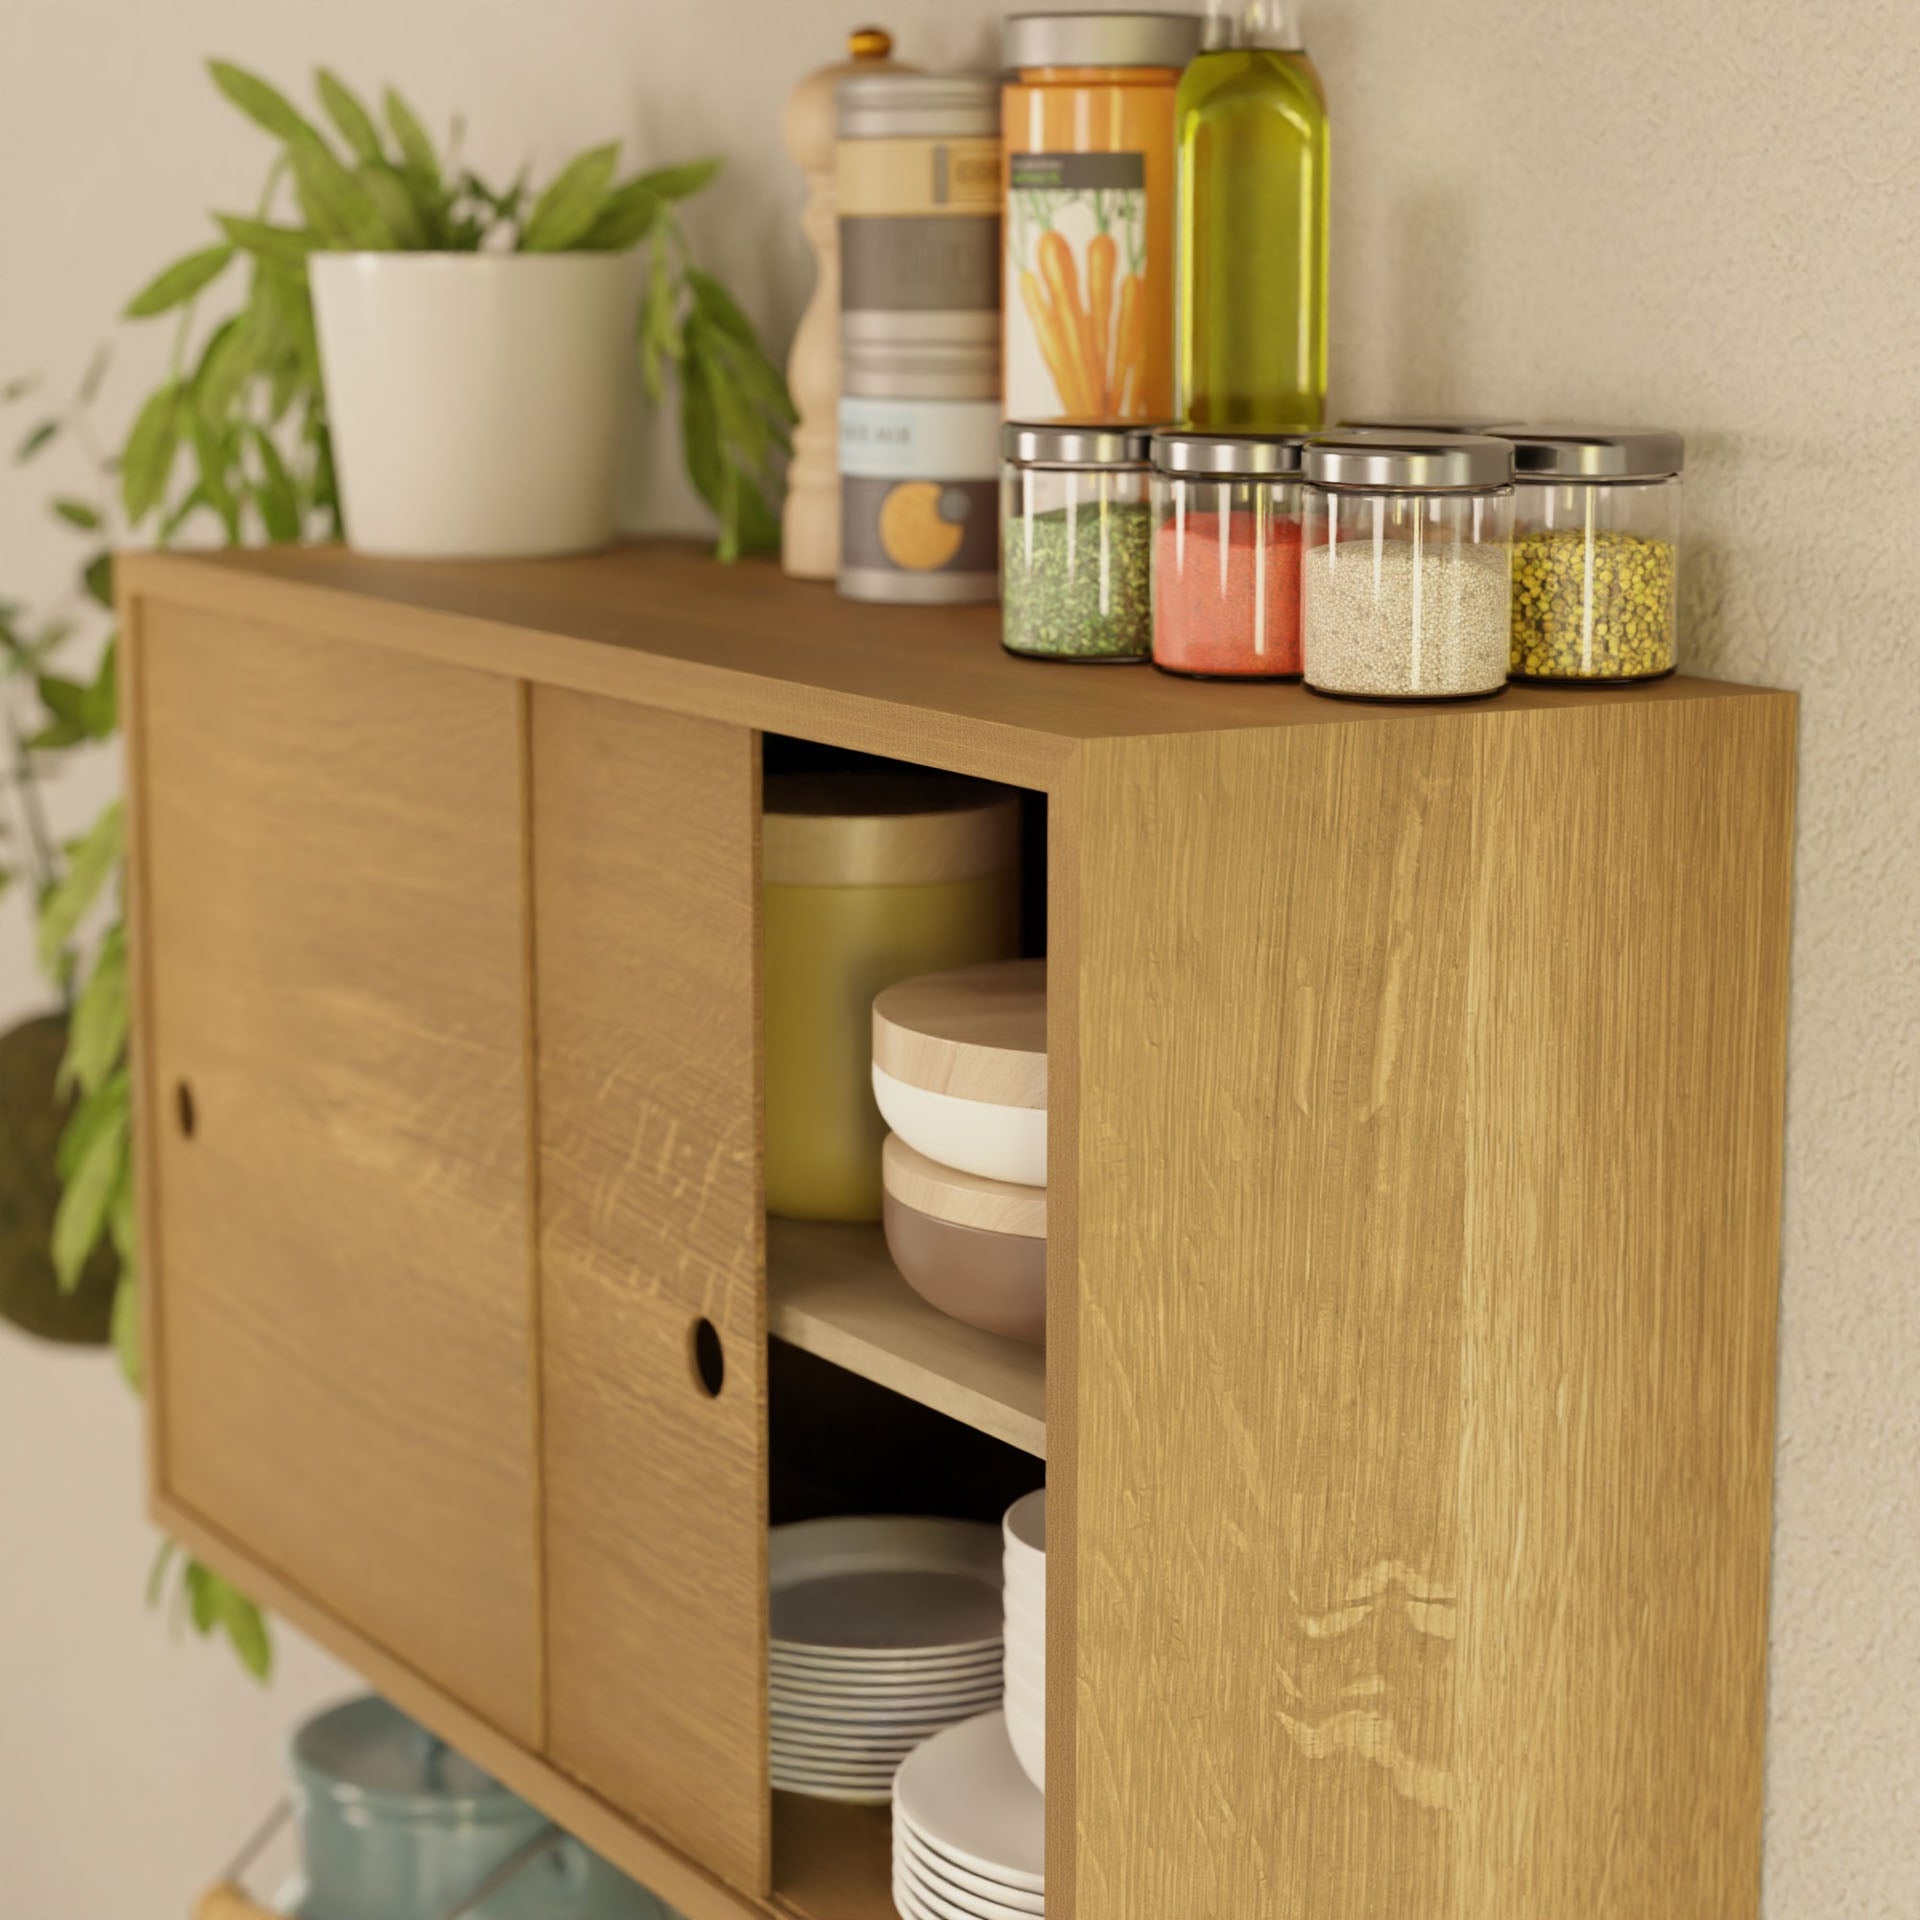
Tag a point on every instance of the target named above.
point(1699, 213)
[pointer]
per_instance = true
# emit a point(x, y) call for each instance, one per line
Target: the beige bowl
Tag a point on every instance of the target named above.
point(975, 1248)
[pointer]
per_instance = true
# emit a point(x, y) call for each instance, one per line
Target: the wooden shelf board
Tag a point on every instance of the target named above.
point(832, 1862)
point(834, 1291)
point(661, 623)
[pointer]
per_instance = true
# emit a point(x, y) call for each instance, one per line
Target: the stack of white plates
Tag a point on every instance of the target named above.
point(883, 1632)
point(1025, 1528)
point(969, 1829)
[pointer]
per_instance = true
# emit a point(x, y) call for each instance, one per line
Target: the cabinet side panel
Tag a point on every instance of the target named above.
point(646, 889)
point(334, 1130)
point(1270, 1100)
point(1630, 918)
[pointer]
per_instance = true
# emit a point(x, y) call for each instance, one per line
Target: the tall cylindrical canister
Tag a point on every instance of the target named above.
point(870, 877)
point(917, 178)
point(1253, 225)
point(1088, 285)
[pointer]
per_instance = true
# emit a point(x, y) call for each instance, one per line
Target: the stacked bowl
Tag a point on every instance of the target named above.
point(960, 1076)
point(882, 1633)
point(1025, 1534)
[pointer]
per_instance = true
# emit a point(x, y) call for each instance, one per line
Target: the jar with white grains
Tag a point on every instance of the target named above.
point(1407, 565)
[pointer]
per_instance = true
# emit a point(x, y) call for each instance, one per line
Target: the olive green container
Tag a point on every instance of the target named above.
point(870, 877)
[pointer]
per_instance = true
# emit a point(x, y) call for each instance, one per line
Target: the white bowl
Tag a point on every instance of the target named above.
point(1027, 1731)
point(1025, 1532)
point(1027, 1667)
point(977, 1136)
point(1023, 1605)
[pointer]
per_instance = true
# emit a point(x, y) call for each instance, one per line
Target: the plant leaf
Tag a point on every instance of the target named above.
point(77, 513)
point(157, 1573)
point(416, 150)
point(337, 206)
point(174, 286)
point(626, 217)
point(274, 492)
point(286, 246)
point(225, 363)
point(92, 1178)
point(148, 459)
point(203, 1605)
point(246, 1629)
point(97, 577)
point(571, 204)
point(345, 111)
point(35, 440)
point(93, 862)
point(676, 183)
point(407, 221)
point(264, 105)
point(95, 374)
point(97, 1033)
point(18, 388)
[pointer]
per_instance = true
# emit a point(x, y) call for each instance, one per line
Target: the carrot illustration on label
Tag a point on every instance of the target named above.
point(1101, 255)
point(1076, 324)
point(1129, 347)
point(1047, 329)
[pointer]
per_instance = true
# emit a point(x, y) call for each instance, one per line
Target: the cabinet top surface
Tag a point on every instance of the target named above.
point(662, 623)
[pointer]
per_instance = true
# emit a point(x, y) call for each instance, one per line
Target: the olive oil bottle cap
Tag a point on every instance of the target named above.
point(1232, 24)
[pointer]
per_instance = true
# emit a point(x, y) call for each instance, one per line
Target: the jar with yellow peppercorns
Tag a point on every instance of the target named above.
point(1596, 550)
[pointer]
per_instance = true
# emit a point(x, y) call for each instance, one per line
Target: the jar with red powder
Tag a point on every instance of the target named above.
point(1226, 554)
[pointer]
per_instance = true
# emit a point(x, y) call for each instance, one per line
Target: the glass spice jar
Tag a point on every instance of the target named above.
point(1075, 541)
point(1596, 553)
point(1226, 554)
point(1406, 574)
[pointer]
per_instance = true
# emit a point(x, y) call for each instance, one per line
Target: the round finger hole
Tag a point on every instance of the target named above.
point(709, 1361)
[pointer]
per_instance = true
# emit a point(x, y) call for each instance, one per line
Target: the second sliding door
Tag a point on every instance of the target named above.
point(645, 883)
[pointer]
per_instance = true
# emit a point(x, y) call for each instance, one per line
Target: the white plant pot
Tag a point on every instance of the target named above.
point(477, 401)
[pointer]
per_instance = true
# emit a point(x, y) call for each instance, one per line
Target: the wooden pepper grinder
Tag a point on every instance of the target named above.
point(810, 521)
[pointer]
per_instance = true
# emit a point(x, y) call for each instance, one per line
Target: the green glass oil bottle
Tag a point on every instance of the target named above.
point(1251, 122)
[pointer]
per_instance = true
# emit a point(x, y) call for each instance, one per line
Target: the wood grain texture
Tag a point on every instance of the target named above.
point(329, 927)
point(832, 1862)
point(661, 624)
point(977, 1033)
point(1426, 1081)
point(646, 891)
point(694, 1892)
point(834, 1291)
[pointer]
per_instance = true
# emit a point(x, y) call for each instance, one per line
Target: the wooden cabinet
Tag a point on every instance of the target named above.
point(1416, 1085)
point(335, 1075)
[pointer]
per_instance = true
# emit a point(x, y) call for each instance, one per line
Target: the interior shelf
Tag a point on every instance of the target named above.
point(834, 1291)
point(832, 1862)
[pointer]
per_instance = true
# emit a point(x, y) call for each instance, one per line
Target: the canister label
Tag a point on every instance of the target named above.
point(919, 225)
point(1075, 289)
point(919, 486)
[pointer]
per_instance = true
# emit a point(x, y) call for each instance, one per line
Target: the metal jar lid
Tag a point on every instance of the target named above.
point(1594, 453)
point(1428, 423)
point(1100, 39)
point(1189, 451)
point(1408, 462)
point(1074, 443)
point(368, 1756)
point(894, 106)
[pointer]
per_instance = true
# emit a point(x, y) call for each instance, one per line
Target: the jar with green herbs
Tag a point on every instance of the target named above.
point(1076, 541)
point(1596, 553)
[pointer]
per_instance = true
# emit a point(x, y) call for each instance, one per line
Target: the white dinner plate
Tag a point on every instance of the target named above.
point(965, 1794)
point(895, 1699)
point(908, 1887)
point(875, 1719)
point(941, 1876)
point(813, 1665)
point(846, 1796)
point(850, 1742)
point(884, 1584)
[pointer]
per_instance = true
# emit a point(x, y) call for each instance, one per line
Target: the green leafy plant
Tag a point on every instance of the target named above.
point(237, 429)
point(233, 443)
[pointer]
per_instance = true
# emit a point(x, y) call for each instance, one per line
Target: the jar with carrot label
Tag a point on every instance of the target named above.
point(1088, 124)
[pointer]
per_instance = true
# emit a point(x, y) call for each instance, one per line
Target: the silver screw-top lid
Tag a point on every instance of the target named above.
point(1189, 451)
point(1232, 24)
point(1594, 453)
point(1409, 462)
point(1100, 39)
point(884, 106)
point(1427, 422)
point(1074, 443)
